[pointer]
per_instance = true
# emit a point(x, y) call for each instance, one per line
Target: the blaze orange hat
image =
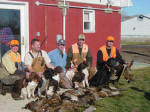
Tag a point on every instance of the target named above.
point(14, 42)
point(110, 38)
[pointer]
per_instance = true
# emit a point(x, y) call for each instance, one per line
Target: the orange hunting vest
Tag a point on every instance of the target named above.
point(77, 58)
point(105, 55)
point(15, 56)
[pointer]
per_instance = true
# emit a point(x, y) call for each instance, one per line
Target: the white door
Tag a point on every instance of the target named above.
point(14, 25)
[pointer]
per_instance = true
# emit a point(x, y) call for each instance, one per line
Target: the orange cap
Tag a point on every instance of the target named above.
point(110, 38)
point(14, 42)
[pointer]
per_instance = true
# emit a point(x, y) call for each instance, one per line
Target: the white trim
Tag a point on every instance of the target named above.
point(24, 22)
point(118, 3)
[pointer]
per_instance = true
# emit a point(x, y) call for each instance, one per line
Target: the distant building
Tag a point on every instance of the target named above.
point(135, 28)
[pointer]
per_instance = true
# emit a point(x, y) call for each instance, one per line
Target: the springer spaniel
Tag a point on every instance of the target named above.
point(70, 71)
point(54, 82)
point(49, 82)
point(29, 86)
point(44, 82)
point(81, 76)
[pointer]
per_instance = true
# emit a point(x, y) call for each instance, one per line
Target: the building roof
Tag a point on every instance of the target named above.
point(136, 27)
point(119, 3)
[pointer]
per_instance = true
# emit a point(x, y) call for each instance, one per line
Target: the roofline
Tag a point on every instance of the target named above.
point(98, 2)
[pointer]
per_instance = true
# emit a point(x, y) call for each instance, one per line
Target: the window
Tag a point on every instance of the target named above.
point(88, 21)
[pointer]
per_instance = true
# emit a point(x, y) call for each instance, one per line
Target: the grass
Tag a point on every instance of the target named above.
point(135, 97)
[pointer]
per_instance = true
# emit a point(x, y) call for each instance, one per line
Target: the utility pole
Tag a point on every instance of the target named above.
point(64, 20)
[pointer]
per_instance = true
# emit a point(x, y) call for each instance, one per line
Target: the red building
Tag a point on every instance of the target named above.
point(30, 19)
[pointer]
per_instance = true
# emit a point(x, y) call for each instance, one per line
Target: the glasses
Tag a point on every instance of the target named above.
point(14, 46)
point(82, 39)
point(61, 44)
point(110, 41)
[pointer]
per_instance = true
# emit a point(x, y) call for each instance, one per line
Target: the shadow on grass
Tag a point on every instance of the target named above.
point(146, 94)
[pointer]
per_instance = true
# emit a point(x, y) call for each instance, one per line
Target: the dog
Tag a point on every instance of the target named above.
point(70, 74)
point(49, 82)
point(29, 86)
point(70, 71)
point(81, 75)
point(44, 81)
point(54, 81)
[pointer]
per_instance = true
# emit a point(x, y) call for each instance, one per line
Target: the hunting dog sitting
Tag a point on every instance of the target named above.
point(44, 81)
point(49, 81)
point(106, 74)
point(70, 71)
point(81, 75)
point(54, 80)
point(29, 85)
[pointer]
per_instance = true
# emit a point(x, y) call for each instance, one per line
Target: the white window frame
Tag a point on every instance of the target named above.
point(24, 22)
point(91, 20)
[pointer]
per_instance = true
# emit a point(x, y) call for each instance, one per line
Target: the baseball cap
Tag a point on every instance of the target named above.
point(110, 38)
point(58, 37)
point(81, 37)
point(61, 42)
point(14, 42)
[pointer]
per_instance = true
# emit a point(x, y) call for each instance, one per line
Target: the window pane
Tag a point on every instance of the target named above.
point(86, 16)
point(9, 28)
point(86, 25)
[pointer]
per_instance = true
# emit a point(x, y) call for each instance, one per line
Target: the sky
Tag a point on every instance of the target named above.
point(139, 7)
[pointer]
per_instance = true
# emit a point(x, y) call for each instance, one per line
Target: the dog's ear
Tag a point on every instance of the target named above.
point(86, 63)
point(37, 77)
point(58, 69)
point(30, 77)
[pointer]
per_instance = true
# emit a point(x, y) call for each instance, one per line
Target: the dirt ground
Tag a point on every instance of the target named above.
point(140, 54)
point(7, 104)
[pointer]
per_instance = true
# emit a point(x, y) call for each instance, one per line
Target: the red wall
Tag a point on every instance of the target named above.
point(48, 21)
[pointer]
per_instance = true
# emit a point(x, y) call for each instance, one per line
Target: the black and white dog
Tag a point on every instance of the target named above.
point(53, 86)
point(49, 82)
point(44, 82)
point(81, 75)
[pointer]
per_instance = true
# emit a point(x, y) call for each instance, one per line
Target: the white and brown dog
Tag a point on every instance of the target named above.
point(81, 75)
point(70, 71)
point(29, 86)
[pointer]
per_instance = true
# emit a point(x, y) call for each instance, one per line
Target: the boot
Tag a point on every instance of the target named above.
point(3, 91)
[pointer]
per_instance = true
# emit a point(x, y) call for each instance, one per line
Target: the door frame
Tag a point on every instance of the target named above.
point(24, 22)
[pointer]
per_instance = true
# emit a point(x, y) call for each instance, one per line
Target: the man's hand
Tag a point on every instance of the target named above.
point(50, 65)
point(40, 74)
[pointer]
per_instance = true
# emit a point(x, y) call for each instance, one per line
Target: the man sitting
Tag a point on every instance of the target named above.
point(11, 66)
point(36, 60)
point(106, 52)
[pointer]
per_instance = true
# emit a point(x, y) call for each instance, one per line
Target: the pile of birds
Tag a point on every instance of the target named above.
point(72, 100)
point(81, 97)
